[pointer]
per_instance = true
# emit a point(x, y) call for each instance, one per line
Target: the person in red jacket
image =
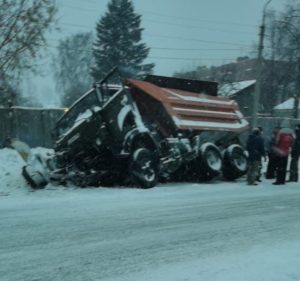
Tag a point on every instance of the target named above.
point(284, 141)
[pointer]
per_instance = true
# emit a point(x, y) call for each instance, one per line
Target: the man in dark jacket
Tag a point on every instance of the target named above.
point(259, 171)
point(272, 155)
point(256, 150)
point(295, 156)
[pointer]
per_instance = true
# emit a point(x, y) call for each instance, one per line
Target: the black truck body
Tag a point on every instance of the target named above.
point(137, 132)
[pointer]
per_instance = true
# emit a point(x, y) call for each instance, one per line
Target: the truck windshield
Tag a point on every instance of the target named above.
point(81, 110)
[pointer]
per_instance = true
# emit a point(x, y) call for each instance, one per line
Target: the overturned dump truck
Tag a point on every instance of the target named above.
point(139, 132)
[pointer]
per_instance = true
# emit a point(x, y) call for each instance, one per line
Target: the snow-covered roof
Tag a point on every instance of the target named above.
point(230, 89)
point(288, 104)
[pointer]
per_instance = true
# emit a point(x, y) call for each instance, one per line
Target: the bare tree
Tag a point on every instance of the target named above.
point(283, 51)
point(23, 24)
point(72, 66)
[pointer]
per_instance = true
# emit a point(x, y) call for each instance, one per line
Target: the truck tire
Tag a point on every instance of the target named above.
point(211, 159)
point(207, 165)
point(144, 168)
point(234, 162)
point(35, 178)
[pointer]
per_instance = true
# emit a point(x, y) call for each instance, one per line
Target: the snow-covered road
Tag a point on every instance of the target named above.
point(219, 231)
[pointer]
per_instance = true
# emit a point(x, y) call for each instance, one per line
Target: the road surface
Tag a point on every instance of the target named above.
point(219, 231)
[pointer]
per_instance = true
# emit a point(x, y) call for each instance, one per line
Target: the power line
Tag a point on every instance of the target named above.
point(173, 37)
point(192, 59)
point(78, 25)
point(89, 1)
point(187, 49)
point(154, 57)
point(173, 24)
point(195, 27)
point(201, 20)
point(173, 17)
point(197, 40)
point(198, 49)
point(80, 9)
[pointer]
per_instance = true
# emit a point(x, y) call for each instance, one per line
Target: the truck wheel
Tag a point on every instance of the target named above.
point(234, 162)
point(211, 159)
point(207, 165)
point(144, 170)
point(35, 178)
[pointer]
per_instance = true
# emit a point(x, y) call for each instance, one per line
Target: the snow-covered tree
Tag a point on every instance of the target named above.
point(72, 66)
point(118, 41)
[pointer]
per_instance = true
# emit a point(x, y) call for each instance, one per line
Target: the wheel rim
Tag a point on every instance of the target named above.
point(213, 160)
point(147, 171)
point(240, 161)
point(144, 167)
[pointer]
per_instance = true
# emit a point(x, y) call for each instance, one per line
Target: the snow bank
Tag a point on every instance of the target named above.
point(11, 163)
point(11, 178)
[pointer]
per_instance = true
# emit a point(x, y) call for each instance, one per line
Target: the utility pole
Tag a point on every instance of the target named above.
point(256, 97)
point(297, 94)
point(295, 107)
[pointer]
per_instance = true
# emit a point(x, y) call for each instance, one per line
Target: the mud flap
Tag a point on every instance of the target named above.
point(35, 172)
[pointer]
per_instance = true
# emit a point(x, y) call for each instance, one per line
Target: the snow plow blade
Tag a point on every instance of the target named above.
point(34, 178)
point(38, 169)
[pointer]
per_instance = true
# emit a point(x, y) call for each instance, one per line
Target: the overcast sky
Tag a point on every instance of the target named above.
point(181, 34)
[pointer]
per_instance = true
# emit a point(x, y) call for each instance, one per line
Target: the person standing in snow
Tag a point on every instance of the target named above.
point(256, 150)
point(259, 172)
point(284, 142)
point(295, 154)
point(272, 155)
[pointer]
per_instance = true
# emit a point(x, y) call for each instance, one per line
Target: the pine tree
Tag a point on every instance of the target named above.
point(118, 41)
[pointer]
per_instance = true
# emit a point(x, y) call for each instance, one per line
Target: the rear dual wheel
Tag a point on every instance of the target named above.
point(207, 165)
point(235, 162)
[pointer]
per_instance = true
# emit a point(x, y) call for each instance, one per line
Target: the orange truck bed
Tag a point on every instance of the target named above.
point(182, 110)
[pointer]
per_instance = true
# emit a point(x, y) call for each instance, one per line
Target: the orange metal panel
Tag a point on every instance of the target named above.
point(194, 111)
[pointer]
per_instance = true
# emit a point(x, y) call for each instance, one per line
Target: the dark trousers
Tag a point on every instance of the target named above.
point(272, 167)
point(281, 169)
point(259, 170)
point(294, 169)
point(252, 172)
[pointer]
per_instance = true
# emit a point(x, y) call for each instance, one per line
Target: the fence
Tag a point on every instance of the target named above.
point(32, 125)
point(269, 123)
point(35, 125)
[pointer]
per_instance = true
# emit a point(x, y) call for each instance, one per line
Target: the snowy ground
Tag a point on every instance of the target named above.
point(11, 180)
point(219, 231)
